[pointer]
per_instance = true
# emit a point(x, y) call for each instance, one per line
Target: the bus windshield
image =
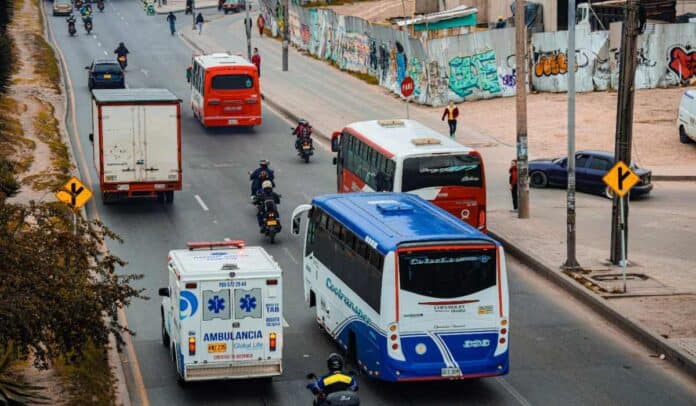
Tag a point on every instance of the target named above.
point(232, 82)
point(441, 170)
point(447, 274)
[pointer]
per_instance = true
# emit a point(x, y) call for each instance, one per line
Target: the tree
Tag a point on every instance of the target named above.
point(59, 290)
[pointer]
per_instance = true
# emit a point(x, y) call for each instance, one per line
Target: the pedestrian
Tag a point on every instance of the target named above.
point(171, 18)
point(513, 183)
point(500, 23)
point(451, 112)
point(199, 23)
point(256, 60)
point(189, 7)
point(260, 22)
point(220, 3)
point(248, 25)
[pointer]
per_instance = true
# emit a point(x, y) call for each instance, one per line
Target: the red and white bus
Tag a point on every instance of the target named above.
point(406, 156)
point(225, 91)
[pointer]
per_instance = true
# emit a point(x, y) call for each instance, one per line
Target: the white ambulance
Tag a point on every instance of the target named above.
point(222, 312)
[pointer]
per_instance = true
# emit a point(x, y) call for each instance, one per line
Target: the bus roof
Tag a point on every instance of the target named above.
point(223, 59)
point(390, 219)
point(217, 263)
point(405, 137)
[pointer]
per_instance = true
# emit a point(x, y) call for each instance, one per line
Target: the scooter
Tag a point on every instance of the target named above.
point(340, 398)
point(270, 222)
point(305, 149)
point(78, 4)
point(123, 61)
point(88, 24)
point(71, 27)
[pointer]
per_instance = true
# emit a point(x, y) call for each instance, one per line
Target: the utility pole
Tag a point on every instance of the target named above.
point(286, 33)
point(247, 27)
point(571, 261)
point(521, 109)
point(624, 121)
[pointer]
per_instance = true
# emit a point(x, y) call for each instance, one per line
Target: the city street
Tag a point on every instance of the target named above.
point(561, 352)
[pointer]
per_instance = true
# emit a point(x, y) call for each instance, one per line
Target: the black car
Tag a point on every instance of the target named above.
point(105, 74)
point(590, 168)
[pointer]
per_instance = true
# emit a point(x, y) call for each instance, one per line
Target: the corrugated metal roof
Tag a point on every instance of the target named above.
point(133, 95)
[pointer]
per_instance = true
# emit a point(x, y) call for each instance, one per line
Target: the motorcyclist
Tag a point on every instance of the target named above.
point(86, 10)
point(71, 19)
point(302, 131)
point(262, 173)
point(121, 50)
point(333, 381)
point(100, 5)
point(262, 198)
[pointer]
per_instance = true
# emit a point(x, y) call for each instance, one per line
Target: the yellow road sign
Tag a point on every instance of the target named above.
point(74, 193)
point(620, 179)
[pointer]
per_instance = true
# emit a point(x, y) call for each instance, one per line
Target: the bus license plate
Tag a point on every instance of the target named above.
point(450, 372)
point(232, 121)
point(217, 347)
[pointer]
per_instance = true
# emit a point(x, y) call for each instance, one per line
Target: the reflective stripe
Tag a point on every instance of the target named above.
point(330, 380)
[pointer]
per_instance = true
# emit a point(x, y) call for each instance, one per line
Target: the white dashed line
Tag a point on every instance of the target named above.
point(144, 71)
point(98, 44)
point(201, 203)
point(513, 391)
point(94, 36)
point(106, 53)
point(285, 323)
point(292, 258)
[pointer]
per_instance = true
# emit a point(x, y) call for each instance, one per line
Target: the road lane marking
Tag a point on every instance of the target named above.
point(515, 394)
point(144, 71)
point(285, 323)
point(292, 258)
point(98, 44)
point(106, 53)
point(94, 36)
point(132, 357)
point(201, 203)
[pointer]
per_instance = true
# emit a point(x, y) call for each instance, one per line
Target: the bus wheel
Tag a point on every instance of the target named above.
point(352, 350)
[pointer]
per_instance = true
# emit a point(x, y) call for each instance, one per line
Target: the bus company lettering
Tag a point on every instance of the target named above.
point(448, 260)
point(339, 293)
point(229, 335)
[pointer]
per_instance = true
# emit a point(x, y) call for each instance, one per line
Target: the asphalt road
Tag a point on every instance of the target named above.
point(560, 353)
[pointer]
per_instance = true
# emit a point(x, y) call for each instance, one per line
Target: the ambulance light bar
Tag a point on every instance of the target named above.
point(213, 244)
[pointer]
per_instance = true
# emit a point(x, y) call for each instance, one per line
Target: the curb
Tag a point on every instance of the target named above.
point(633, 328)
point(674, 178)
point(120, 386)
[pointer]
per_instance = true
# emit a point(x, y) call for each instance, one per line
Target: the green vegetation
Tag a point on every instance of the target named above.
point(46, 127)
point(46, 64)
point(90, 381)
point(6, 45)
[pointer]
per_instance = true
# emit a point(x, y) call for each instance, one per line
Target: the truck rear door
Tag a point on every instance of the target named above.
point(118, 129)
point(159, 143)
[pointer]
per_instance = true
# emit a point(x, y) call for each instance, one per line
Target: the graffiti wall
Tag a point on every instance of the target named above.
point(481, 65)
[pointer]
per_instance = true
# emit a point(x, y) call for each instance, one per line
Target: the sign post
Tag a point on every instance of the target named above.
point(621, 179)
point(75, 194)
point(407, 87)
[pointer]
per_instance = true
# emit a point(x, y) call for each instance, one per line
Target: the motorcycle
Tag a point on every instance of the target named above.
point(305, 149)
point(123, 61)
point(88, 24)
point(100, 6)
point(270, 222)
point(340, 398)
point(78, 4)
point(71, 27)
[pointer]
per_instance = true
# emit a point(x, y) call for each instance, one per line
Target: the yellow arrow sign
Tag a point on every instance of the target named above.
point(620, 179)
point(74, 193)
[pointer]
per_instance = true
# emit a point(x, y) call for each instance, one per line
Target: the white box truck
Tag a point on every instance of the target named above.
point(222, 312)
point(137, 143)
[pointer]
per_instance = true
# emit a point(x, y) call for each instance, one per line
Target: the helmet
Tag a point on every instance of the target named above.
point(264, 162)
point(302, 121)
point(267, 184)
point(121, 44)
point(334, 362)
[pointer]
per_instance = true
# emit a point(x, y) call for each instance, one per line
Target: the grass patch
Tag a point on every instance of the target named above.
point(13, 145)
point(46, 64)
point(46, 127)
point(88, 381)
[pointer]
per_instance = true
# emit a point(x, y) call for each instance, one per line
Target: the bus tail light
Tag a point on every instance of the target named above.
point(272, 342)
point(214, 102)
point(192, 345)
point(482, 217)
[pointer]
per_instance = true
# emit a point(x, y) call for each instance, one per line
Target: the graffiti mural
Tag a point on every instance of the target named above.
point(473, 72)
point(415, 71)
point(355, 52)
point(401, 62)
point(682, 61)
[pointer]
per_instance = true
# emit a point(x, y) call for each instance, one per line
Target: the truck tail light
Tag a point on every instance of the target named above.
point(272, 341)
point(192, 345)
point(482, 217)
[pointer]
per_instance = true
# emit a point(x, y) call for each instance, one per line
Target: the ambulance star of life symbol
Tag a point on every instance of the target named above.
point(247, 303)
point(216, 304)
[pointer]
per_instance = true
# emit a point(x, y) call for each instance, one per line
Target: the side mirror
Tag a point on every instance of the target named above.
point(335, 160)
point(164, 292)
point(311, 376)
point(296, 222)
point(91, 137)
point(335, 141)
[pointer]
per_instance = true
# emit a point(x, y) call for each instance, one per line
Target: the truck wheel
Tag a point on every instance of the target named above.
point(683, 138)
point(165, 336)
point(169, 196)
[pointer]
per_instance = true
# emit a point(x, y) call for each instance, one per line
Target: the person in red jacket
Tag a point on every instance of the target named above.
point(451, 112)
point(260, 22)
point(256, 60)
point(513, 183)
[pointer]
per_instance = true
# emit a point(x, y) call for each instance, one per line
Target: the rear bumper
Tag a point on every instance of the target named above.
point(399, 371)
point(225, 121)
point(233, 370)
point(641, 190)
point(110, 84)
point(62, 12)
point(144, 189)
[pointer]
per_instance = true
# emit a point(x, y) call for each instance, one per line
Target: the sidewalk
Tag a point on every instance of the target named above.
point(661, 302)
point(180, 5)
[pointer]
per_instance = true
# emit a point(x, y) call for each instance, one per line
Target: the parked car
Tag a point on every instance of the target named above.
point(105, 74)
point(590, 168)
point(233, 6)
point(686, 121)
point(62, 7)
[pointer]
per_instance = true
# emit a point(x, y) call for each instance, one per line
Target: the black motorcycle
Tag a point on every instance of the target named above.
point(88, 24)
point(340, 398)
point(270, 221)
point(71, 27)
point(78, 4)
point(100, 6)
point(123, 61)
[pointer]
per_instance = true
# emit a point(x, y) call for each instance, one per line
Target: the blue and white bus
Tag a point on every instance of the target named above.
point(408, 290)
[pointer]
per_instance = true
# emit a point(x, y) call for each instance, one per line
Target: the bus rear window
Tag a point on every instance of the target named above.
point(447, 274)
point(441, 170)
point(232, 82)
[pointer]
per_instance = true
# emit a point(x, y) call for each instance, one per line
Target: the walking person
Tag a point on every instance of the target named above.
point(513, 183)
point(451, 112)
point(256, 60)
point(171, 19)
point(189, 7)
point(199, 23)
point(260, 22)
